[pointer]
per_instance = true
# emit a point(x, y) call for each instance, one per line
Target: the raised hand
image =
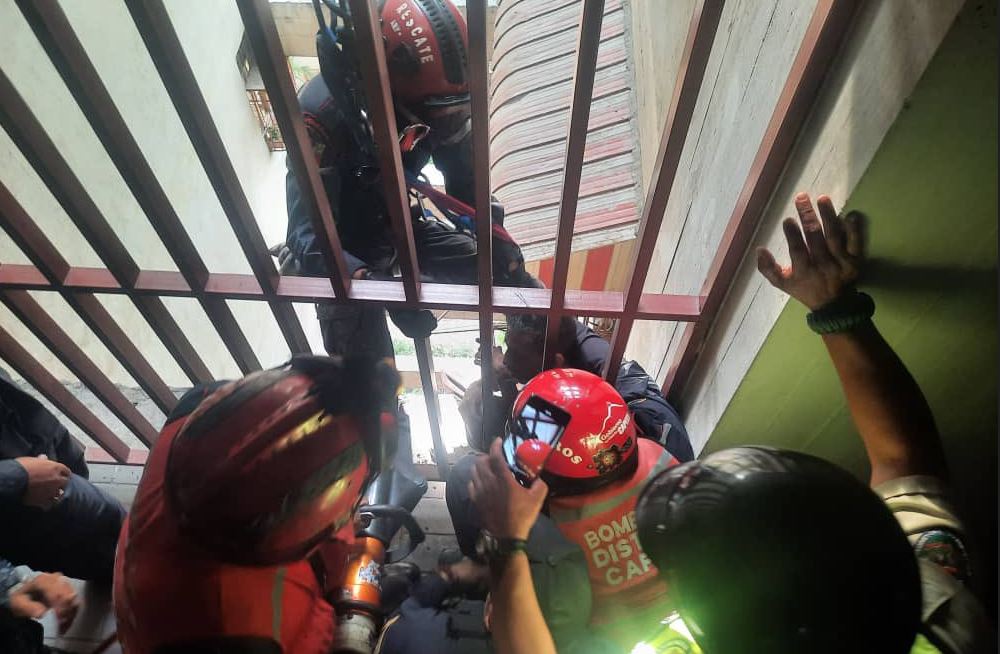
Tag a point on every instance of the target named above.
point(824, 262)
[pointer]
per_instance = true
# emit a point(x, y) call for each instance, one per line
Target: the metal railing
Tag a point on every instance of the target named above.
point(146, 288)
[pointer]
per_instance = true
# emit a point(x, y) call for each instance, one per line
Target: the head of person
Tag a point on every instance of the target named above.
point(268, 466)
point(426, 47)
point(524, 357)
point(574, 430)
point(780, 552)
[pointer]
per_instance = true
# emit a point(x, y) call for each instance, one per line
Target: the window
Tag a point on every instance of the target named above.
point(260, 103)
point(261, 106)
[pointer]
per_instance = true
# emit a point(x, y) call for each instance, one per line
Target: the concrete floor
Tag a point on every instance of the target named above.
point(95, 623)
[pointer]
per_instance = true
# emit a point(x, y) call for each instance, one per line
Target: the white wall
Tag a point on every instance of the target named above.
point(890, 46)
point(210, 33)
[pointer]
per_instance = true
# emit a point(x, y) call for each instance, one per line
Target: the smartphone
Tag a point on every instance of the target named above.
point(532, 436)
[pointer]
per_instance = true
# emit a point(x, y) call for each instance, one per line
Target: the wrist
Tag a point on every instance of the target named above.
point(495, 549)
point(848, 311)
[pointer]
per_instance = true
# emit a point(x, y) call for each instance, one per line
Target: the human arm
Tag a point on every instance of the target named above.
point(301, 236)
point(889, 410)
point(508, 511)
point(32, 481)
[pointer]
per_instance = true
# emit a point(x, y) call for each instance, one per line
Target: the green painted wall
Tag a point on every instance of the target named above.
point(931, 197)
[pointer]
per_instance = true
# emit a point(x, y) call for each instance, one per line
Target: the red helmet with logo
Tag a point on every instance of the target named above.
point(268, 466)
point(426, 45)
point(583, 425)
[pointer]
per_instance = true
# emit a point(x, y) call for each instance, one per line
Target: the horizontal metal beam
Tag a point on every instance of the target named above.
point(816, 55)
point(43, 381)
point(652, 306)
point(41, 324)
point(697, 50)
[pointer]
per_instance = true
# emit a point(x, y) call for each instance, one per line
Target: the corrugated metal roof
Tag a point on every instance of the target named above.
point(531, 87)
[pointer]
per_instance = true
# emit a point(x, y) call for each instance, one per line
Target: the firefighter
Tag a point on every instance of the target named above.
point(247, 480)
point(594, 464)
point(426, 46)
point(781, 552)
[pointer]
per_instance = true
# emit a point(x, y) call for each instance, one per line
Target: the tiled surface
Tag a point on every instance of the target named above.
point(95, 621)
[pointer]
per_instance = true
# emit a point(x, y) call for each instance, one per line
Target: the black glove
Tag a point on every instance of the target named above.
point(414, 323)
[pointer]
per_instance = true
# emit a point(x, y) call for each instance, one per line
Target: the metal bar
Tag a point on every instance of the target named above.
point(33, 242)
point(478, 75)
point(29, 136)
point(43, 155)
point(57, 37)
point(97, 455)
point(67, 54)
point(100, 321)
point(51, 334)
point(263, 36)
point(425, 362)
point(579, 120)
point(180, 348)
point(457, 297)
point(164, 47)
point(697, 50)
point(43, 381)
point(829, 24)
point(375, 76)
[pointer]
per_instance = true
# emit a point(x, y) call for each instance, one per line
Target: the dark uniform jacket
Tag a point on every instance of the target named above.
point(654, 415)
point(349, 169)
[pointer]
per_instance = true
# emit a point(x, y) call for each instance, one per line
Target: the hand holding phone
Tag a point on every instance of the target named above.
point(533, 434)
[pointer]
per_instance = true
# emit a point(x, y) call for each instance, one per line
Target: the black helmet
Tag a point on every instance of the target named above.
point(780, 552)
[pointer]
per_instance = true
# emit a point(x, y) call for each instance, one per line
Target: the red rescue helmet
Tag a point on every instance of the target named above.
point(268, 466)
point(426, 46)
point(596, 442)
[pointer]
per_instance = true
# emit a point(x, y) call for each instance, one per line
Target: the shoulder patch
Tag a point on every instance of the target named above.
point(944, 548)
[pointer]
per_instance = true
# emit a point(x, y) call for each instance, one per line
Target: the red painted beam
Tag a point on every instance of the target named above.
point(43, 381)
point(652, 306)
point(69, 353)
point(591, 18)
point(152, 284)
point(697, 49)
point(375, 77)
point(134, 458)
point(829, 24)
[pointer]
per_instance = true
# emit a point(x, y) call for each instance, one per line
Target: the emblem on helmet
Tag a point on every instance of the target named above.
point(608, 459)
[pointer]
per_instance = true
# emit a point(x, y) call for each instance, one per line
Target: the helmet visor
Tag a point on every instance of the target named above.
point(538, 420)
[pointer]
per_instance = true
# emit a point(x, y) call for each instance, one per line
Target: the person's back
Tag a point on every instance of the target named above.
point(625, 585)
point(199, 599)
point(594, 473)
point(246, 481)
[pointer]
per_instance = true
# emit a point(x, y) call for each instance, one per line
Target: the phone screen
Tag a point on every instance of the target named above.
point(538, 419)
